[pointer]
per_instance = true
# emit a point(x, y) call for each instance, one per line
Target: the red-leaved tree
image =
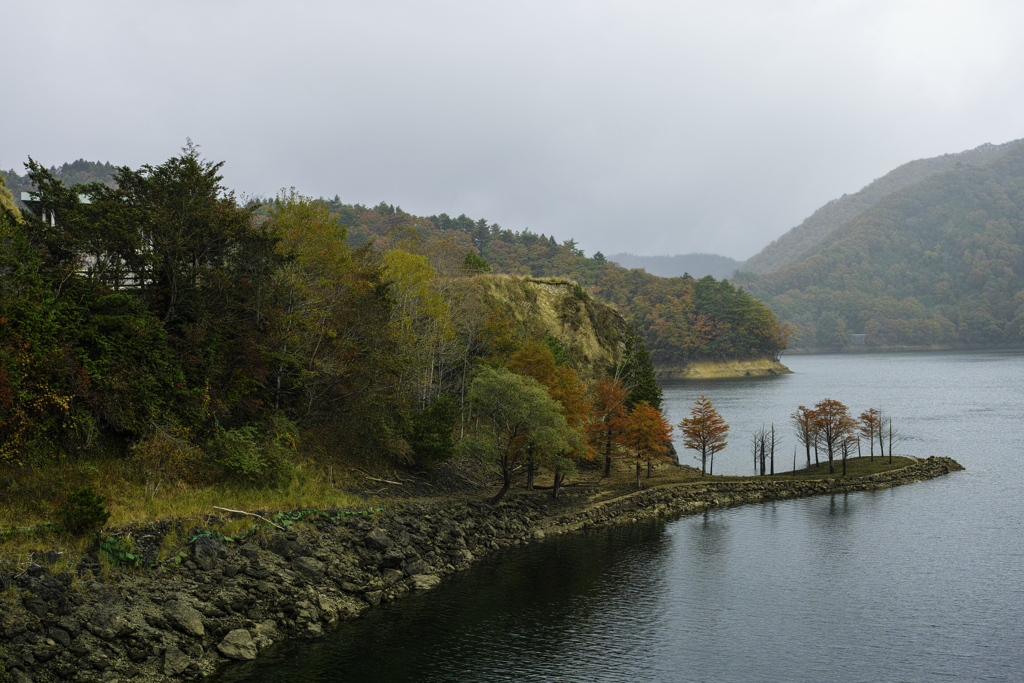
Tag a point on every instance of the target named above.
point(705, 432)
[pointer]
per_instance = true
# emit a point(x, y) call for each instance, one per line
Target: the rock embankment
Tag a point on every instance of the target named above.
point(690, 498)
point(230, 601)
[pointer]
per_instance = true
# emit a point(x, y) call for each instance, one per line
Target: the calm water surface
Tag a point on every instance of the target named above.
point(919, 583)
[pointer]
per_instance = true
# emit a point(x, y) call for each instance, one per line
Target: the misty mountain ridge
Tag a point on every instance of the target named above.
point(793, 245)
point(695, 265)
point(937, 262)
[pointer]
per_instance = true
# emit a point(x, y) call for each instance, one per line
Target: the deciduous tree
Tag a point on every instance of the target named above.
point(835, 425)
point(765, 442)
point(516, 413)
point(535, 359)
point(869, 428)
point(803, 421)
point(608, 418)
point(648, 435)
point(705, 432)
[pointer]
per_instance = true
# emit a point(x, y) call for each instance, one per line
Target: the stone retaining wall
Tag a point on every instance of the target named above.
point(689, 498)
point(227, 603)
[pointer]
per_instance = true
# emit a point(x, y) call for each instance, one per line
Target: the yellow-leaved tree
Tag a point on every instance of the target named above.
point(422, 323)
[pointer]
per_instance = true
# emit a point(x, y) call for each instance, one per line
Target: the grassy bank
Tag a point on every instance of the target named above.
point(30, 500)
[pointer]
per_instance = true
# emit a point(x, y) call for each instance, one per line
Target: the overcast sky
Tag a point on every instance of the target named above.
point(649, 127)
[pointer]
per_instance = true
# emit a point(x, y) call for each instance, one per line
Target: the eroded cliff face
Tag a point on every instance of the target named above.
point(592, 332)
point(754, 367)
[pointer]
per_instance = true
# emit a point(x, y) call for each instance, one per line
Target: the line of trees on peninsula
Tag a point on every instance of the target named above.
point(828, 426)
point(159, 320)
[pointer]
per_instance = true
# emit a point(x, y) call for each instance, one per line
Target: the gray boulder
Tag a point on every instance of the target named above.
point(238, 644)
point(378, 540)
point(175, 661)
point(184, 618)
point(309, 568)
point(208, 551)
point(424, 582)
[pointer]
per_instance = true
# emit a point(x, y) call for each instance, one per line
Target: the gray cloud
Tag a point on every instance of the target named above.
point(645, 127)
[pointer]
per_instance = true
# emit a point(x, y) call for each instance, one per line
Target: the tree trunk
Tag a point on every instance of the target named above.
point(890, 441)
point(559, 478)
point(638, 484)
point(531, 469)
point(608, 451)
point(505, 486)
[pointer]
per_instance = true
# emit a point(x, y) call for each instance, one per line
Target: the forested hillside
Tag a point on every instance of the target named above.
point(939, 262)
point(680, 318)
point(800, 240)
point(697, 265)
point(164, 326)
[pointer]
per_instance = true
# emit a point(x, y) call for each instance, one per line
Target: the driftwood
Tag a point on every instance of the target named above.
point(563, 486)
point(251, 514)
point(386, 481)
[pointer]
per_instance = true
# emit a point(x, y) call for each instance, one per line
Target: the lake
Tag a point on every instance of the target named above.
point(917, 583)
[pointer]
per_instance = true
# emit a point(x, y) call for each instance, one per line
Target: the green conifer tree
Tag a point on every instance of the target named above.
point(636, 370)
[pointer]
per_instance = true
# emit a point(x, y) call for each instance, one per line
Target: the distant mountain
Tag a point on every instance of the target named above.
point(73, 173)
point(800, 240)
point(695, 265)
point(939, 261)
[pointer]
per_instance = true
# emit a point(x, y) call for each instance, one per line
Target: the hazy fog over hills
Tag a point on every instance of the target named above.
point(695, 265)
point(643, 127)
point(802, 238)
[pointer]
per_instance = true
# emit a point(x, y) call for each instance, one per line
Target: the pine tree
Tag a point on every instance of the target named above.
point(636, 370)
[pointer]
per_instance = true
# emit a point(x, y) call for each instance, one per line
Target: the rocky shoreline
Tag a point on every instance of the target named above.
point(228, 601)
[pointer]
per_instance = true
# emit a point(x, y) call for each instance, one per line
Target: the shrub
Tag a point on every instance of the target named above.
point(246, 455)
point(432, 432)
point(165, 455)
point(82, 512)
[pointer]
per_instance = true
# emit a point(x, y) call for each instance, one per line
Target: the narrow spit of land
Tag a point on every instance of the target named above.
point(203, 593)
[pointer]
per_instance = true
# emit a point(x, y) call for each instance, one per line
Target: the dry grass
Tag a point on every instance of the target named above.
point(32, 497)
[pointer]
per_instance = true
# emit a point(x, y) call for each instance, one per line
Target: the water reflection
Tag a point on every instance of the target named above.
point(918, 583)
